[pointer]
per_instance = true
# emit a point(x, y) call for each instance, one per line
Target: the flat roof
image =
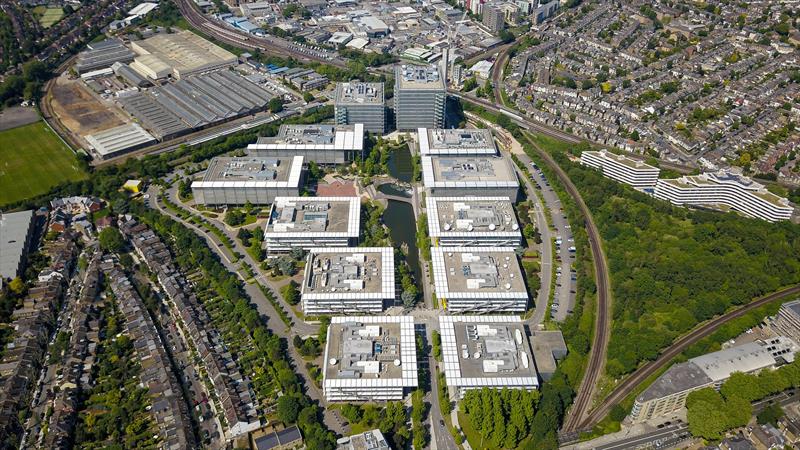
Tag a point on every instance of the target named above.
point(359, 93)
point(119, 138)
point(467, 171)
point(314, 216)
point(477, 272)
point(14, 228)
point(314, 137)
point(184, 51)
point(411, 76)
point(251, 171)
point(349, 272)
point(456, 141)
point(371, 351)
point(471, 216)
point(491, 351)
point(621, 159)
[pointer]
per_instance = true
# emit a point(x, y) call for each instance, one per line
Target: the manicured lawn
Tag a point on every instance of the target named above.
point(32, 161)
point(51, 16)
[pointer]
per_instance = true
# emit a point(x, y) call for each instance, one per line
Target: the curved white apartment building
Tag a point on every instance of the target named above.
point(725, 190)
point(622, 168)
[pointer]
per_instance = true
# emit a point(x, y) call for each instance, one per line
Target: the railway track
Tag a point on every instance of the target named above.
point(599, 348)
point(272, 45)
point(629, 384)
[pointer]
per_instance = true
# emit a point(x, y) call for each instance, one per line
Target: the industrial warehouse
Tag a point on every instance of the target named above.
point(458, 176)
point(239, 180)
point(196, 102)
point(479, 279)
point(486, 351)
point(369, 358)
point(161, 87)
point(456, 141)
point(323, 144)
point(348, 280)
point(308, 222)
point(473, 221)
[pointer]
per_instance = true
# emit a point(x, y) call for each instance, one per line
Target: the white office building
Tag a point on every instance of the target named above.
point(667, 395)
point(454, 142)
point(308, 222)
point(236, 181)
point(369, 359)
point(359, 102)
point(479, 279)
point(461, 176)
point(323, 144)
point(622, 168)
point(725, 190)
point(420, 97)
point(486, 351)
point(348, 280)
point(472, 222)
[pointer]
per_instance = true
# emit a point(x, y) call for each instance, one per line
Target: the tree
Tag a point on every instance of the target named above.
point(275, 105)
point(234, 217)
point(308, 97)
point(409, 299)
point(288, 409)
point(770, 414)
point(17, 286)
point(111, 240)
point(706, 420)
point(290, 293)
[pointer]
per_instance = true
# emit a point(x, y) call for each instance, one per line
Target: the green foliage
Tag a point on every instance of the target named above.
point(115, 410)
point(111, 240)
point(503, 418)
point(672, 268)
point(288, 409)
point(437, 345)
point(373, 233)
point(290, 293)
point(391, 420)
point(234, 217)
point(423, 240)
point(771, 414)
point(469, 84)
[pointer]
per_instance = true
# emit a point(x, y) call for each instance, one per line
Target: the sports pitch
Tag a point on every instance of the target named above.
point(32, 161)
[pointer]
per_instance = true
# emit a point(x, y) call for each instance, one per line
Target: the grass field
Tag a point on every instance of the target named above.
point(51, 16)
point(32, 161)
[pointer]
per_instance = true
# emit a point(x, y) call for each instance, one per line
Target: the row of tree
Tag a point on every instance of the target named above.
point(504, 417)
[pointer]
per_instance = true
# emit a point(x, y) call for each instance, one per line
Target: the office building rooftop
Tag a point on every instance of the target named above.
point(371, 351)
point(314, 216)
point(356, 272)
point(439, 141)
point(477, 272)
point(490, 351)
point(359, 93)
point(472, 171)
point(316, 137)
point(419, 77)
point(253, 171)
point(471, 215)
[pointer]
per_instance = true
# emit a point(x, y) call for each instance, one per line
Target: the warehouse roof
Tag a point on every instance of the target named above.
point(370, 351)
point(185, 51)
point(471, 216)
point(158, 120)
point(438, 141)
point(314, 216)
point(102, 54)
point(491, 351)
point(119, 139)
